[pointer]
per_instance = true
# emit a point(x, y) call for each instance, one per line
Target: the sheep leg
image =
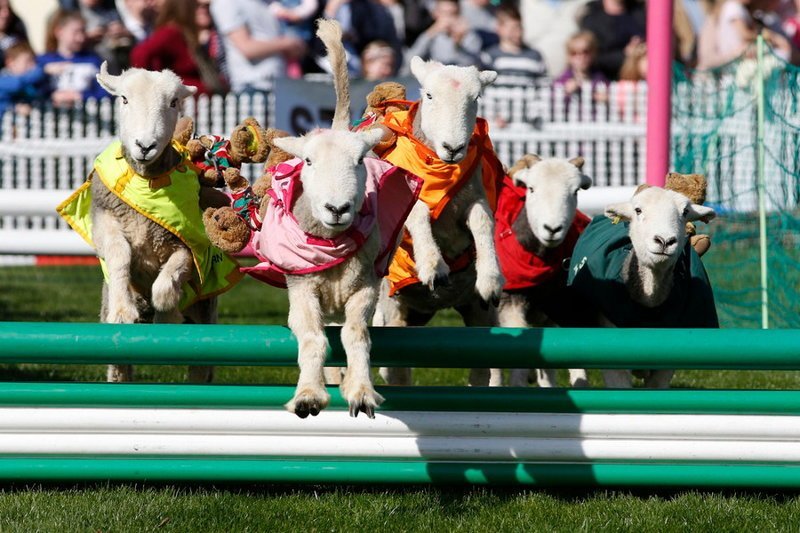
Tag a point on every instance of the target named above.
point(431, 267)
point(617, 379)
point(489, 282)
point(659, 379)
point(201, 312)
point(305, 321)
point(167, 288)
point(511, 313)
point(475, 315)
point(578, 377)
point(356, 385)
point(391, 312)
point(115, 250)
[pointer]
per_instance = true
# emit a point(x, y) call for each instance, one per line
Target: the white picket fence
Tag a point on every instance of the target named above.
point(48, 153)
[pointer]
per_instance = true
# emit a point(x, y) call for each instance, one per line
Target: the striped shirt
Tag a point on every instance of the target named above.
point(515, 69)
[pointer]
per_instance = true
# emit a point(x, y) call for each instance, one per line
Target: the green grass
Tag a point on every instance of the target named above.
point(72, 295)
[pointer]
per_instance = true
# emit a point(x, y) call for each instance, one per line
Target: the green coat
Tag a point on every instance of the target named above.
point(595, 277)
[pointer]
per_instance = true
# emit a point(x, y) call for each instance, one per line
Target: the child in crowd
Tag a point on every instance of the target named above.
point(296, 18)
point(377, 61)
point(581, 52)
point(22, 81)
point(66, 42)
point(105, 33)
point(515, 63)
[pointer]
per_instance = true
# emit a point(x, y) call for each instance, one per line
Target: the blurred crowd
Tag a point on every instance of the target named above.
point(242, 45)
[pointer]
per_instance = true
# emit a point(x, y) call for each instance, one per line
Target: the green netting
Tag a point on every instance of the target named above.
point(715, 119)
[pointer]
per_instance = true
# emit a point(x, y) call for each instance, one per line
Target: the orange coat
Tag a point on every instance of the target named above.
point(441, 183)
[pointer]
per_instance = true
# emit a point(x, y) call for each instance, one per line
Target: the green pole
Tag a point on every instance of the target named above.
point(178, 344)
point(762, 192)
point(477, 399)
point(393, 472)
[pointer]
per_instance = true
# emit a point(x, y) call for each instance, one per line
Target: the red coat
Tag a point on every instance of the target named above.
point(521, 268)
point(167, 47)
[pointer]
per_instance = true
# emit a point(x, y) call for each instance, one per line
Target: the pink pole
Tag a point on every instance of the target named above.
point(659, 88)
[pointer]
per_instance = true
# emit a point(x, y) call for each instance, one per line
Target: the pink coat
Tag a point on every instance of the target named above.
point(282, 247)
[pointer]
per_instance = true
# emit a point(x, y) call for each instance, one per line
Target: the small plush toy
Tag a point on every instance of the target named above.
point(217, 156)
point(692, 186)
point(385, 97)
point(229, 227)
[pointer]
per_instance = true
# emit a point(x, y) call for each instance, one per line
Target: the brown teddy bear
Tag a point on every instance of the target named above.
point(384, 98)
point(693, 186)
point(230, 227)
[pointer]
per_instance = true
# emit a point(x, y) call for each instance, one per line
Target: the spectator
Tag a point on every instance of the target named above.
point(619, 26)
point(481, 16)
point(377, 61)
point(138, 16)
point(105, 33)
point(581, 53)
point(449, 39)
point(22, 81)
point(255, 46)
point(296, 18)
point(633, 70)
point(66, 42)
point(209, 40)
point(416, 19)
point(515, 63)
point(727, 32)
point(363, 21)
point(174, 45)
point(547, 25)
point(12, 29)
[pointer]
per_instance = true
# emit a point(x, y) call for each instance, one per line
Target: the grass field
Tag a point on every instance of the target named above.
point(72, 295)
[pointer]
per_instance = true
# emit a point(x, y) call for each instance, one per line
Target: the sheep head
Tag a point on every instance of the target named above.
point(449, 105)
point(334, 177)
point(658, 220)
point(148, 107)
point(552, 194)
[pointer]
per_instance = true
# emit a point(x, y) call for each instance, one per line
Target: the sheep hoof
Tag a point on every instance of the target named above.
point(441, 280)
point(365, 408)
point(305, 408)
point(308, 401)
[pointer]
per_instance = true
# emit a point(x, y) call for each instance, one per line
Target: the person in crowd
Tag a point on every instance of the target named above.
point(363, 21)
point(22, 81)
point(256, 48)
point(377, 61)
point(138, 16)
point(581, 53)
point(174, 45)
point(619, 26)
point(66, 42)
point(209, 39)
point(449, 39)
point(105, 33)
point(515, 63)
point(12, 29)
point(546, 27)
point(727, 32)
point(481, 16)
point(633, 71)
point(416, 19)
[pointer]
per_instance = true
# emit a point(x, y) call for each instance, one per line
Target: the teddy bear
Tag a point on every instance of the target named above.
point(693, 186)
point(385, 97)
point(229, 227)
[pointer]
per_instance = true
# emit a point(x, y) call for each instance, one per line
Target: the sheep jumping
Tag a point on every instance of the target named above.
point(332, 224)
point(537, 226)
point(639, 270)
point(140, 210)
point(447, 257)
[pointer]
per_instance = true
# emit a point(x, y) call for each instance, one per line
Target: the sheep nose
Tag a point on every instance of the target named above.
point(553, 230)
point(665, 243)
point(338, 211)
point(145, 149)
point(452, 150)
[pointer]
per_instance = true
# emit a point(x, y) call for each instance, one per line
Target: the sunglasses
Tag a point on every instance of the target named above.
point(584, 52)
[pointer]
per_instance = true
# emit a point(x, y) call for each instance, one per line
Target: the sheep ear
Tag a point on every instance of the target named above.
point(186, 90)
point(371, 137)
point(293, 145)
point(421, 68)
point(700, 212)
point(527, 161)
point(622, 210)
point(578, 162)
point(487, 77)
point(106, 80)
point(586, 181)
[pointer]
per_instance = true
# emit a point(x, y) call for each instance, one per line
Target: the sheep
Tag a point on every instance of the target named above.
point(144, 217)
point(447, 257)
point(339, 183)
point(537, 226)
point(643, 272)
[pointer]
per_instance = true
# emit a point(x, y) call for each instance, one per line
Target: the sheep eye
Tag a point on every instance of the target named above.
point(124, 100)
point(360, 160)
point(429, 96)
point(685, 212)
point(530, 190)
point(308, 161)
point(174, 102)
point(638, 210)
